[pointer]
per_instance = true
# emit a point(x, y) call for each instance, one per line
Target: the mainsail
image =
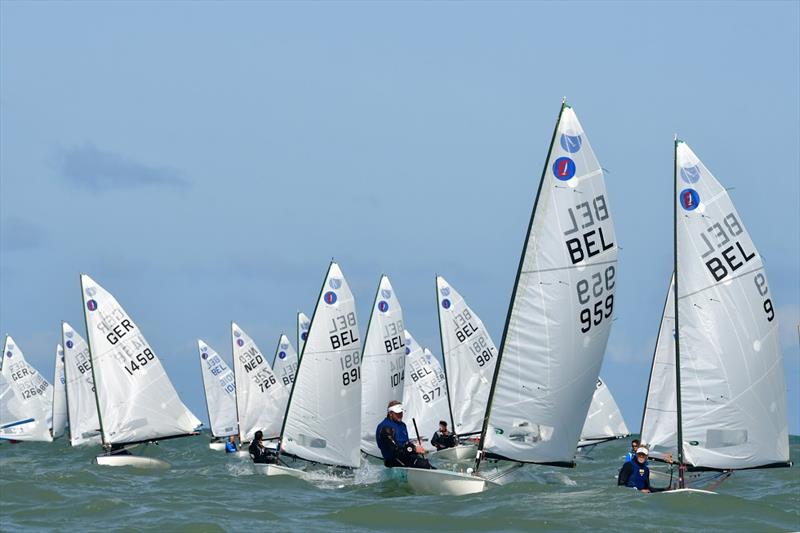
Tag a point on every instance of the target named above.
point(59, 396)
point(425, 391)
point(560, 312)
point(84, 426)
point(731, 394)
point(604, 420)
point(260, 400)
point(303, 323)
point(220, 388)
point(136, 400)
point(469, 357)
point(323, 418)
point(284, 364)
point(29, 412)
point(383, 364)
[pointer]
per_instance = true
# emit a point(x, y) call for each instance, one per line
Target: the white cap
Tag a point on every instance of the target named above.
point(643, 450)
point(396, 408)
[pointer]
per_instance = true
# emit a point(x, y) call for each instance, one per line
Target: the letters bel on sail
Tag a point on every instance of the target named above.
point(561, 309)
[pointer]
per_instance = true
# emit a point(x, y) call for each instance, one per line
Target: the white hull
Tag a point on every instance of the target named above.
point(459, 453)
point(696, 491)
point(217, 446)
point(276, 470)
point(444, 482)
point(135, 461)
point(244, 454)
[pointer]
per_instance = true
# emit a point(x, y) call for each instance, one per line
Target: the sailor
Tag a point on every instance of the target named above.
point(230, 446)
point(443, 438)
point(259, 453)
point(636, 473)
point(392, 438)
point(631, 455)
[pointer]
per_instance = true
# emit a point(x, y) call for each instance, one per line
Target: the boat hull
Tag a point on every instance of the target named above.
point(444, 482)
point(277, 470)
point(458, 453)
point(217, 446)
point(135, 461)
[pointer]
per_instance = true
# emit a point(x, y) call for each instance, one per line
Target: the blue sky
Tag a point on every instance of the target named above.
point(204, 161)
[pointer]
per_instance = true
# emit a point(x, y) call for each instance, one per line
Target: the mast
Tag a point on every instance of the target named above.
point(235, 388)
point(514, 292)
point(205, 393)
point(444, 362)
point(681, 466)
point(103, 440)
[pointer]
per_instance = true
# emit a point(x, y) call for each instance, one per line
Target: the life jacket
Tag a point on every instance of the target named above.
point(230, 447)
point(640, 476)
point(400, 437)
point(630, 456)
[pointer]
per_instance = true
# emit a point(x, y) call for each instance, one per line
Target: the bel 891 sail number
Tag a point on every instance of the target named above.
point(596, 294)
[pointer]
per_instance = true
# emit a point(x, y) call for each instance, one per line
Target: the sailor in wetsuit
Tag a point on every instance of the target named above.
point(230, 446)
point(259, 453)
point(392, 438)
point(443, 438)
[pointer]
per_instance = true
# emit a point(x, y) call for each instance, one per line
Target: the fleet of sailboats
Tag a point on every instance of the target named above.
point(715, 402)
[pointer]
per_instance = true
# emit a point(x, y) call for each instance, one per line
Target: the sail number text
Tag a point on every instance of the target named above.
point(598, 287)
point(585, 244)
point(721, 238)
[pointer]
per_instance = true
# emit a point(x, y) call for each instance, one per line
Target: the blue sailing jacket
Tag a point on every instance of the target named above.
point(230, 447)
point(389, 449)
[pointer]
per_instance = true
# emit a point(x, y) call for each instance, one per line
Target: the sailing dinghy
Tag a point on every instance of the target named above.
point(136, 401)
point(59, 415)
point(84, 426)
point(424, 393)
point(26, 410)
point(219, 386)
point(557, 325)
point(604, 422)
point(323, 419)
point(716, 398)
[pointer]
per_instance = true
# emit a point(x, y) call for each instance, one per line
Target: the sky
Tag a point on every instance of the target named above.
point(205, 161)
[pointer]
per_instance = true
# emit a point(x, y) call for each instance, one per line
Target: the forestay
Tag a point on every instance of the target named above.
point(732, 388)
point(323, 419)
point(260, 400)
point(59, 415)
point(84, 426)
point(425, 391)
point(560, 312)
point(469, 357)
point(284, 363)
point(303, 323)
point(29, 412)
point(383, 365)
point(220, 388)
point(604, 420)
point(136, 399)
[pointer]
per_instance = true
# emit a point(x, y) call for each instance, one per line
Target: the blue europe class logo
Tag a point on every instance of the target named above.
point(282, 355)
point(408, 350)
point(284, 346)
point(68, 334)
point(237, 333)
point(564, 168)
point(383, 306)
point(330, 297)
point(445, 291)
point(204, 355)
point(571, 143)
point(240, 342)
point(91, 305)
point(304, 335)
point(335, 283)
point(69, 344)
point(689, 199)
point(9, 353)
point(386, 293)
point(690, 174)
point(90, 292)
point(446, 303)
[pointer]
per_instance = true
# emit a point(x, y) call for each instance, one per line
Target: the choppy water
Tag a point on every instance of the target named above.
point(51, 486)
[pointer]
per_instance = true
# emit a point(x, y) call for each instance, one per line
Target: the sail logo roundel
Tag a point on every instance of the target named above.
point(383, 306)
point(9, 353)
point(571, 143)
point(690, 174)
point(445, 291)
point(689, 199)
point(335, 283)
point(204, 355)
point(304, 335)
point(330, 297)
point(564, 168)
point(281, 355)
point(91, 305)
point(69, 344)
point(386, 293)
point(446, 303)
point(240, 342)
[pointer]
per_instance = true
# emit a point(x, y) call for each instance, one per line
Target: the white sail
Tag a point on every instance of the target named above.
point(220, 388)
point(561, 309)
point(136, 399)
point(604, 420)
point(425, 391)
point(84, 426)
point(660, 418)
point(260, 400)
point(469, 358)
point(284, 364)
point(29, 413)
point(303, 323)
point(733, 393)
point(323, 419)
point(59, 396)
point(383, 365)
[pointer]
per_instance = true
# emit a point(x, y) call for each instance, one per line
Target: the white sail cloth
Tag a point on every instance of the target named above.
point(383, 364)
point(425, 392)
point(59, 396)
point(136, 399)
point(220, 388)
point(260, 399)
point(84, 426)
point(303, 323)
point(604, 420)
point(323, 419)
point(469, 358)
point(28, 405)
point(285, 363)
point(561, 312)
